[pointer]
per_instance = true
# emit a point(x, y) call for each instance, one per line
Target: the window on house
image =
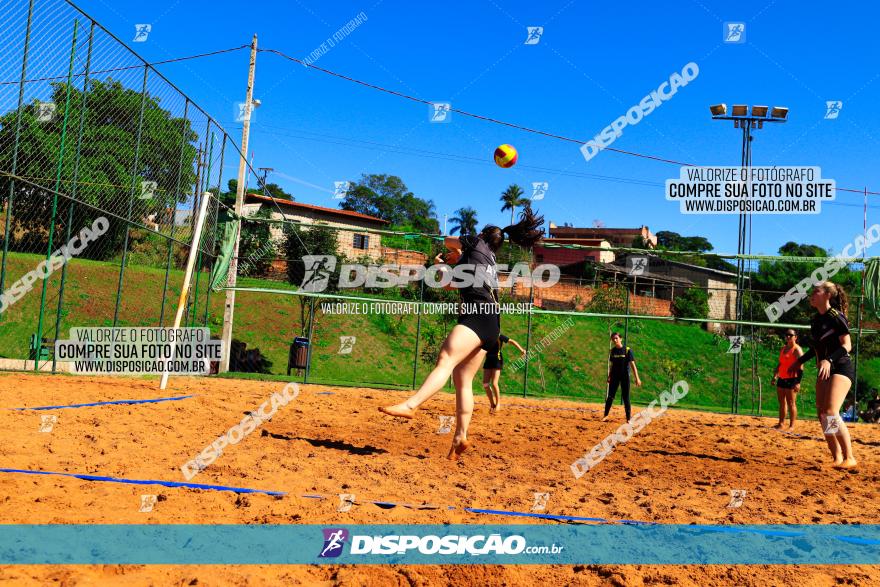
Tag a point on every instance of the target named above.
point(361, 241)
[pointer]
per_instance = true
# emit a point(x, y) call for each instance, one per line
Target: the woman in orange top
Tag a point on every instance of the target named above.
point(789, 383)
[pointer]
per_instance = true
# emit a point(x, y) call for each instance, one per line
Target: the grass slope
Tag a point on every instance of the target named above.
point(384, 354)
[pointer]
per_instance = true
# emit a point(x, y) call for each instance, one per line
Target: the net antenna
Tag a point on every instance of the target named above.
point(187, 276)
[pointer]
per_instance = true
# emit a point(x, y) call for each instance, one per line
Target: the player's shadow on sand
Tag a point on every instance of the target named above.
point(667, 453)
point(334, 444)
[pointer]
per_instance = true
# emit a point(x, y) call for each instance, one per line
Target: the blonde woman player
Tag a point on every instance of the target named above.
point(787, 378)
point(492, 371)
point(479, 322)
point(831, 346)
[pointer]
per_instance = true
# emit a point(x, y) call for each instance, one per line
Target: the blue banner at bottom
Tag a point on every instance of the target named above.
point(440, 544)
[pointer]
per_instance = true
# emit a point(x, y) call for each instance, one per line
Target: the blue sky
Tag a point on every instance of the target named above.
point(594, 61)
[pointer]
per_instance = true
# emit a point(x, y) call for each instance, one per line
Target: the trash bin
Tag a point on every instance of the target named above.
point(299, 354)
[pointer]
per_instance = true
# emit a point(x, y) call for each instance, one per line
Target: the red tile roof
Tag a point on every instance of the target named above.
point(297, 205)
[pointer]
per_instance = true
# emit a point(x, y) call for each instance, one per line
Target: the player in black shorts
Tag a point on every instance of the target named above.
point(831, 345)
point(620, 361)
point(492, 371)
point(479, 321)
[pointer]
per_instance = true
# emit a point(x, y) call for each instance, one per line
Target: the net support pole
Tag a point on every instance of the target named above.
point(187, 276)
point(229, 306)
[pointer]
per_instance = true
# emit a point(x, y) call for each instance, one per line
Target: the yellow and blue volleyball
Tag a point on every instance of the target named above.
point(505, 156)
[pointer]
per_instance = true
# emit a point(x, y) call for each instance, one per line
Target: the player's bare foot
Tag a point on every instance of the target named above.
point(605, 418)
point(399, 411)
point(837, 462)
point(457, 449)
point(778, 426)
point(847, 464)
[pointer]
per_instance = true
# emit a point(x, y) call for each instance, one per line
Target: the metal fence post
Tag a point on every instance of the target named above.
point(72, 203)
point(528, 337)
point(39, 342)
point(858, 343)
point(134, 176)
point(418, 331)
point(7, 221)
point(206, 180)
point(183, 143)
point(311, 333)
point(216, 225)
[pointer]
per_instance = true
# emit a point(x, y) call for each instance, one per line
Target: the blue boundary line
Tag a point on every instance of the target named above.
point(109, 403)
point(558, 518)
point(146, 482)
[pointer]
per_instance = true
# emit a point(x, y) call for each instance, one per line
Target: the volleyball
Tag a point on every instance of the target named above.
point(505, 156)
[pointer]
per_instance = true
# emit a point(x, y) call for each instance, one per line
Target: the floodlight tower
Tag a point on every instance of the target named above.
point(747, 122)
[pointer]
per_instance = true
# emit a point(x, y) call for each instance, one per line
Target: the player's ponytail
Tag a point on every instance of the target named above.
point(525, 233)
point(839, 300)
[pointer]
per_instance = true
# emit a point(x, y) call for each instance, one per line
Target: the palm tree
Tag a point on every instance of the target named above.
point(512, 198)
point(464, 222)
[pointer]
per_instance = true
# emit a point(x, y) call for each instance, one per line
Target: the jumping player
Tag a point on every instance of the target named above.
point(620, 361)
point(492, 371)
point(789, 384)
point(479, 323)
point(831, 346)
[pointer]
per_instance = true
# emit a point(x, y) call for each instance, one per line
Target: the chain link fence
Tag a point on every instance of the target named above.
point(93, 136)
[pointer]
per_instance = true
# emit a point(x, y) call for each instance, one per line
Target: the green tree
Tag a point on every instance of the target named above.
point(693, 303)
point(107, 179)
point(228, 197)
point(464, 221)
point(388, 198)
point(775, 277)
point(256, 248)
point(301, 241)
point(512, 199)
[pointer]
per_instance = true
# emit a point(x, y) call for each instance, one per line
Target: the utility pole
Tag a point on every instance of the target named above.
point(229, 309)
point(266, 171)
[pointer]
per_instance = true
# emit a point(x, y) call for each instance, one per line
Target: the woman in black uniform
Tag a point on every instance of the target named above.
point(492, 371)
point(831, 346)
point(479, 322)
point(620, 361)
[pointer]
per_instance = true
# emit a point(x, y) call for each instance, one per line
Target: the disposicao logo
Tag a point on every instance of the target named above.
point(334, 540)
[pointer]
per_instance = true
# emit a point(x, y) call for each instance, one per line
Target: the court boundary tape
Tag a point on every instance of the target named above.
point(558, 518)
point(109, 403)
point(146, 482)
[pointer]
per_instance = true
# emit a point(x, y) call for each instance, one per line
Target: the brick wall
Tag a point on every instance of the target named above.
point(571, 295)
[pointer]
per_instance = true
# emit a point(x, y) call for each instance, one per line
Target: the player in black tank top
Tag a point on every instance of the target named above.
point(492, 370)
point(830, 346)
point(620, 361)
point(464, 348)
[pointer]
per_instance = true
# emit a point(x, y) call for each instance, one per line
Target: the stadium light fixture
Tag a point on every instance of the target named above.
point(744, 122)
point(779, 112)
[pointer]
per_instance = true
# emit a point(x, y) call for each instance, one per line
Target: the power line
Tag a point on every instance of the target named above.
point(470, 114)
point(129, 67)
point(496, 121)
point(364, 144)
